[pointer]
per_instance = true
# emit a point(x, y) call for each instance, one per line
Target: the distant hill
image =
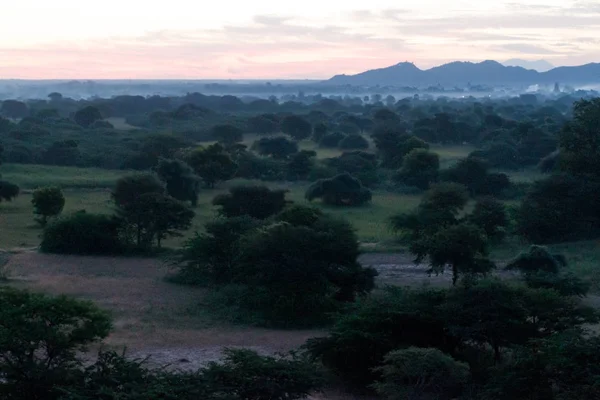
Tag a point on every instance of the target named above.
point(539, 65)
point(462, 73)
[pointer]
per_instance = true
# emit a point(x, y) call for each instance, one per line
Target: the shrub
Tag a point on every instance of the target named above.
point(8, 191)
point(341, 190)
point(47, 202)
point(254, 201)
point(354, 142)
point(416, 373)
point(82, 233)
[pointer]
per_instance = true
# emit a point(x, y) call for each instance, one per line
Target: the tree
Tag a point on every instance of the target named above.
point(296, 127)
point(181, 182)
point(87, 116)
point(40, 338)
point(420, 168)
point(319, 131)
point(265, 124)
point(354, 142)
point(213, 164)
point(341, 190)
point(393, 143)
point(417, 373)
point(128, 189)
point(47, 202)
point(63, 153)
point(157, 216)
point(14, 109)
point(580, 140)
point(227, 134)
point(490, 215)
point(8, 191)
point(359, 164)
point(55, 96)
point(300, 165)
point(278, 147)
point(255, 201)
point(83, 233)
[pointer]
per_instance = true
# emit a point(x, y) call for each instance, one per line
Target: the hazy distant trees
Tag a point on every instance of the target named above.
point(227, 134)
point(87, 116)
point(341, 190)
point(14, 109)
point(278, 147)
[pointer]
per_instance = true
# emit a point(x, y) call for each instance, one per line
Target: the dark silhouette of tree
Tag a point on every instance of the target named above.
point(420, 168)
point(279, 147)
point(255, 201)
point(227, 134)
point(341, 190)
point(47, 202)
point(87, 116)
point(180, 180)
point(14, 109)
point(296, 127)
point(213, 164)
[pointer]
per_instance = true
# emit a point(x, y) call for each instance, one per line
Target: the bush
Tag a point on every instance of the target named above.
point(47, 202)
point(341, 190)
point(490, 215)
point(354, 142)
point(254, 201)
point(8, 191)
point(416, 373)
point(82, 233)
point(40, 338)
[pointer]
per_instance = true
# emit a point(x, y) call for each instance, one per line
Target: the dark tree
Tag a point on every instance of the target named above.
point(300, 165)
point(8, 191)
point(64, 153)
point(227, 134)
point(332, 139)
point(354, 142)
point(297, 127)
point(341, 190)
point(128, 189)
point(490, 215)
point(180, 180)
point(213, 164)
point(420, 168)
point(580, 140)
point(279, 147)
point(47, 202)
point(319, 131)
point(87, 116)
point(254, 201)
point(360, 164)
point(14, 109)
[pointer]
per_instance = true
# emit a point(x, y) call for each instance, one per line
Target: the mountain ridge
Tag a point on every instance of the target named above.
point(488, 72)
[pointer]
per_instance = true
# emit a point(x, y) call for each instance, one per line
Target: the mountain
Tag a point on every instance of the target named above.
point(457, 73)
point(539, 65)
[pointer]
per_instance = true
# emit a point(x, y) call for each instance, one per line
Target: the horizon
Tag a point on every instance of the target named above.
point(267, 40)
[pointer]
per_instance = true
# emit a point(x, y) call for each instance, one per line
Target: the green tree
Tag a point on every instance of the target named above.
point(14, 109)
point(47, 202)
point(128, 189)
point(87, 116)
point(580, 140)
point(417, 373)
point(300, 165)
point(8, 191)
point(41, 338)
point(180, 180)
point(255, 201)
point(296, 127)
point(156, 216)
point(227, 134)
point(490, 215)
point(213, 164)
point(420, 168)
point(279, 147)
point(319, 131)
point(341, 190)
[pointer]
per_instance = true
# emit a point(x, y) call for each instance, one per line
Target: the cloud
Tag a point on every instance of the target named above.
point(527, 48)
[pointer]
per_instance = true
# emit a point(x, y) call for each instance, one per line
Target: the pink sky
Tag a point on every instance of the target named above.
point(267, 39)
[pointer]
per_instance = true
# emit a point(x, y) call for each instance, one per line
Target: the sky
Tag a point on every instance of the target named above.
point(275, 39)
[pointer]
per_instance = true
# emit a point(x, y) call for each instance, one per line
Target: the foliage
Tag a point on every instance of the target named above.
point(560, 208)
point(227, 134)
point(580, 140)
point(353, 142)
point(417, 373)
point(490, 215)
point(359, 164)
point(213, 164)
point(8, 191)
point(420, 168)
point(332, 139)
point(319, 131)
point(393, 143)
point(82, 233)
point(300, 165)
point(251, 166)
point(210, 257)
point(296, 127)
point(47, 202)
point(279, 147)
point(129, 188)
point(180, 180)
point(87, 116)
point(341, 190)
point(254, 201)
point(40, 338)
point(473, 173)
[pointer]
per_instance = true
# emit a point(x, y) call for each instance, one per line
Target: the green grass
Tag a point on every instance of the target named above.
point(29, 176)
point(449, 155)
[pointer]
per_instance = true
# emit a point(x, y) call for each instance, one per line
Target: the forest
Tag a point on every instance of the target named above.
point(414, 248)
